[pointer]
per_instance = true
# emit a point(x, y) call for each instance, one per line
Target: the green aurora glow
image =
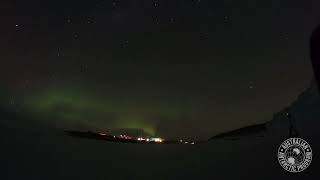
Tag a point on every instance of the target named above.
point(69, 108)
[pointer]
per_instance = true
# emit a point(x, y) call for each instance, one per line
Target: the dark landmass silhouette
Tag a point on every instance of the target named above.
point(299, 118)
point(315, 53)
point(253, 130)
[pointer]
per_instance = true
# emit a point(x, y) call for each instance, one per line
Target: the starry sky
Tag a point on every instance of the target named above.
point(174, 68)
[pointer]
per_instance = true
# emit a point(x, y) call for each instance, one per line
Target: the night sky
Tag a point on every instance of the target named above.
point(175, 68)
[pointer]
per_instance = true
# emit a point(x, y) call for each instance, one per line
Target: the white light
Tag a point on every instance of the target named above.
point(157, 140)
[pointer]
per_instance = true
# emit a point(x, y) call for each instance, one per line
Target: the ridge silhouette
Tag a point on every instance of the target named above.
point(315, 54)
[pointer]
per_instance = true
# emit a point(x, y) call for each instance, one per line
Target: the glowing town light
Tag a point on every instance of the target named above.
point(158, 140)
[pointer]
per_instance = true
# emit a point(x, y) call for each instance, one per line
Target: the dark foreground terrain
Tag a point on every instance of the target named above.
point(30, 154)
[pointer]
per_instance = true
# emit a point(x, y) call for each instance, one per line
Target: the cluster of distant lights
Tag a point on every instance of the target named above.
point(141, 139)
point(123, 136)
point(160, 140)
point(157, 140)
point(186, 142)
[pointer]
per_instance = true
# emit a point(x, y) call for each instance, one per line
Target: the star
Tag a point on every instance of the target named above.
point(125, 44)
point(172, 20)
point(156, 20)
point(155, 4)
point(251, 85)
point(226, 18)
point(90, 21)
point(76, 36)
